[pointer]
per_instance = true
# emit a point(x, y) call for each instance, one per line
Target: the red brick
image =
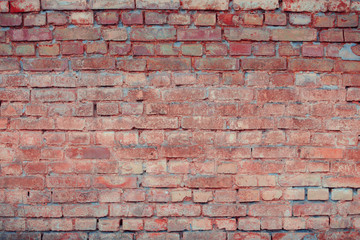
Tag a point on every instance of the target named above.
point(209, 182)
point(274, 152)
point(199, 34)
point(211, 235)
point(53, 95)
point(58, 236)
point(132, 64)
point(275, 19)
point(56, 18)
point(63, 4)
point(9, 20)
point(80, 33)
point(49, 50)
point(214, 49)
point(304, 6)
point(243, 49)
point(34, 20)
point(116, 48)
point(72, 48)
point(81, 18)
point(347, 66)
point(31, 34)
point(264, 49)
point(168, 64)
point(299, 180)
point(144, 236)
point(85, 210)
point(29, 182)
point(205, 19)
point(310, 152)
point(312, 50)
point(40, 211)
point(321, 65)
point(338, 182)
point(179, 19)
point(263, 64)
point(9, 64)
point(152, 34)
point(162, 181)
point(347, 20)
point(324, 21)
point(45, 64)
point(143, 50)
point(252, 19)
point(68, 181)
point(295, 34)
point(254, 34)
point(106, 18)
point(109, 225)
point(132, 18)
point(270, 210)
point(93, 63)
point(216, 64)
point(256, 4)
point(300, 19)
point(311, 209)
point(118, 34)
point(167, 4)
point(131, 210)
point(241, 235)
point(96, 48)
point(210, 5)
point(108, 4)
point(351, 35)
point(332, 35)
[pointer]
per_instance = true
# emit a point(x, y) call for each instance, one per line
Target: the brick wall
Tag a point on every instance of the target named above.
point(179, 119)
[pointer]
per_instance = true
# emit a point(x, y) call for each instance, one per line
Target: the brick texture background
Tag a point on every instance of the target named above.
point(179, 119)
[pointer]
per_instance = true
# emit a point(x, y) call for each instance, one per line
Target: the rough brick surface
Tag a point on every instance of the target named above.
point(179, 119)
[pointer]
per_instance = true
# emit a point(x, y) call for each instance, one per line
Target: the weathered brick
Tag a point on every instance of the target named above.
point(31, 34)
point(110, 4)
point(304, 6)
point(93, 63)
point(263, 64)
point(132, 18)
point(45, 64)
point(26, 182)
point(56, 18)
point(256, 4)
point(107, 18)
point(81, 18)
point(34, 20)
point(80, 33)
point(153, 34)
point(163, 4)
point(254, 34)
point(209, 5)
point(293, 35)
point(199, 34)
point(168, 64)
point(271, 210)
point(9, 19)
point(321, 65)
point(320, 209)
point(63, 4)
point(216, 64)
